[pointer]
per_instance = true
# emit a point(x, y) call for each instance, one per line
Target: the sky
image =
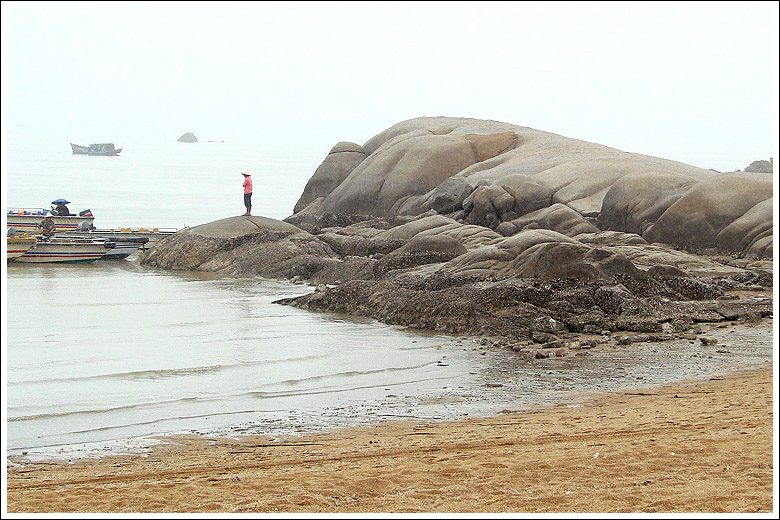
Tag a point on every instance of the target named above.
point(693, 82)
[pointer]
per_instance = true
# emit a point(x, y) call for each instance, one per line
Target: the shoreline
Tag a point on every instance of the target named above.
point(515, 382)
point(692, 446)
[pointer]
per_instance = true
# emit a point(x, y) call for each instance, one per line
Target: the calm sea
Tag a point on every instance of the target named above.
point(99, 358)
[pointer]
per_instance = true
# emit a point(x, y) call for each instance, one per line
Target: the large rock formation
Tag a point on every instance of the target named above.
point(440, 274)
point(483, 227)
point(489, 173)
point(411, 159)
point(189, 137)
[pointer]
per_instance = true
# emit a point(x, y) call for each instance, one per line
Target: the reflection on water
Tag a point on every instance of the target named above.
point(109, 351)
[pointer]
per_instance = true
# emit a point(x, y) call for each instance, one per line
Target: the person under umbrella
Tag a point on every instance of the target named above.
point(61, 209)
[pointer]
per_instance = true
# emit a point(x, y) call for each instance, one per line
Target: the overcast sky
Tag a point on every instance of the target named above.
point(694, 82)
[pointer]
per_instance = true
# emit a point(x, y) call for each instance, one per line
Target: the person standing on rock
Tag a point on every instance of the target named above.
point(247, 192)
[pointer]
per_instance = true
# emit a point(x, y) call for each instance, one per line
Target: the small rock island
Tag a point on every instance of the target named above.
point(189, 137)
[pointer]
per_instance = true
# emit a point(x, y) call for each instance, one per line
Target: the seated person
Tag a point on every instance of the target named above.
point(61, 209)
point(47, 226)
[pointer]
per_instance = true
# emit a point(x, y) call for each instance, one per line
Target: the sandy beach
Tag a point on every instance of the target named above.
point(698, 447)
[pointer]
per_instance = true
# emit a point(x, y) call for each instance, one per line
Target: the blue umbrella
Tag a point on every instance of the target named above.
point(60, 201)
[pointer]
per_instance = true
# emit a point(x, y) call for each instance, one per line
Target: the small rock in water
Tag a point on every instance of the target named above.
point(708, 341)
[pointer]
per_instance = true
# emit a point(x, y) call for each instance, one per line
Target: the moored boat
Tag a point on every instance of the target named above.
point(125, 246)
point(95, 149)
point(72, 249)
point(18, 245)
point(124, 234)
point(26, 220)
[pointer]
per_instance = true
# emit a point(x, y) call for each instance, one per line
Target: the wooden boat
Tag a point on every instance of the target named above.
point(18, 245)
point(124, 234)
point(60, 250)
point(95, 149)
point(25, 220)
point(125, 246)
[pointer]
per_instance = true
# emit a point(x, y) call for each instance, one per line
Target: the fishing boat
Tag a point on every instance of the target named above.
point(25, 220)
point(125, 234)
point(95, 149)
point(125, 246)
point(60, 250)
point(18, 245)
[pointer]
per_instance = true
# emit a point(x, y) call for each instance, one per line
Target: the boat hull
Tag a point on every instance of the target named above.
point(65, 250)
point(17, 246)
point(122, 250)
point(146, 236)
point(27, 221)
point(106, 149)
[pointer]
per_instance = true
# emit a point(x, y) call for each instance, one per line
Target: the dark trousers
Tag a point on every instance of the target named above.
point(248, 200)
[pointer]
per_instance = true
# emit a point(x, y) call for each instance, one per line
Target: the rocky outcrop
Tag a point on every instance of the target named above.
point(473, 226)
point(448, 196)
point(391, 180)
point(491, 174)
point(752, 232)
point(760, 167)
point(471, 237)
point(634, 202)
point(538, 253)
point(189, 137)
point(437, 273)
point(697, 218)
point(411, 159)
point(341, 160)
point(558, 217)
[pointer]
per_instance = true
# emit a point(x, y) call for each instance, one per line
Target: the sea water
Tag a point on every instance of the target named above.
point(103, 357)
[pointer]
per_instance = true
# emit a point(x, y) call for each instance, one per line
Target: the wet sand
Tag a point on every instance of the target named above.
point(698, 447)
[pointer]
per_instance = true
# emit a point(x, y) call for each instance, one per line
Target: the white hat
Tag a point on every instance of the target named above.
point(245, 172)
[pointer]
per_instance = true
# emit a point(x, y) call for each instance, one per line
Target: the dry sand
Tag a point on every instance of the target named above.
point(699, 447)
